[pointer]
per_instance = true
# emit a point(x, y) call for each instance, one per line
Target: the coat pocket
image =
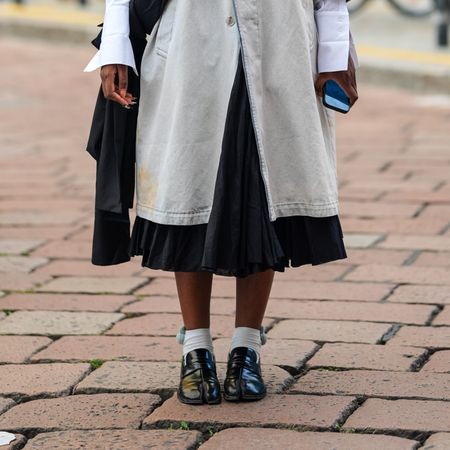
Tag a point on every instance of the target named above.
point(164, 33)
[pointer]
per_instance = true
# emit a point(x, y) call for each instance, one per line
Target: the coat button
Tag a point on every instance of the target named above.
point(230, 21)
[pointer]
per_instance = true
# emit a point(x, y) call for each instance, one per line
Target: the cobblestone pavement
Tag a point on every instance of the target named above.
point(358, 351)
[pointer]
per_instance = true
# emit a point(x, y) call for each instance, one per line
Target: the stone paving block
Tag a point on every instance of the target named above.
point(93, 285)
point(5, 404)
point(24, 264)
point(432, 259)
point(437, 441)
point(400, 415)
point(39, 217)
point(126, 348)
point(375, 383)
point(222, 287)
point(371, 292)
point(420, 294)
point(355, 240)
point(17, 281)
point(394, 225)
point(433, 337)
point(360, 311)
point(401, 274)
point(375, 256)
point(308, 272)
point(58, 322)
point(18, 246)
point(168, 325)
point(433, 212)
point(282, 352)
point(284, 289)
point(274, 409)
point(367, 356)
point(32, 380)
point(36, 232)
point(84, 268)
point(330, 330)
point(119, 376)
point(17, 349)
point(270, 439)
point(425, 197)
point(16, 444)
point(438, 362)
point(378, 209)
point(443, 318)
point(65, 302)
point(115, 440)
point(65, 250)
point(167, 304)
point(79, 412)
point(84, 233)
point(416, 242)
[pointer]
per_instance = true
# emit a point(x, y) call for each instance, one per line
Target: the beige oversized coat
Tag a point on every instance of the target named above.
point(187, 73)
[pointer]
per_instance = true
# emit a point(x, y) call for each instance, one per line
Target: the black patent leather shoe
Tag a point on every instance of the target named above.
point(198, 378)
point(243, 380)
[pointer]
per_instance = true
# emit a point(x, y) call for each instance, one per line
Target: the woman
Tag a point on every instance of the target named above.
point(235, 158)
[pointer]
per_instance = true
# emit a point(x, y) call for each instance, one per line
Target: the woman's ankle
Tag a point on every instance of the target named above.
point(194, 339)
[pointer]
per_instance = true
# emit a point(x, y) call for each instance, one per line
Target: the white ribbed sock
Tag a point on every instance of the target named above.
point(247, 337)
point(197, 338)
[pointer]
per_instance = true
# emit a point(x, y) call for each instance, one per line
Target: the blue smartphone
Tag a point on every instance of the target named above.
point(334, 97)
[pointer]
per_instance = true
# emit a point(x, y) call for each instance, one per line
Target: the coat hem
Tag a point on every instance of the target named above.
point(199, 217)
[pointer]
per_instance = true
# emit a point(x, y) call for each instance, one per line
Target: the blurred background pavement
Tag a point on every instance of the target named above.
point(393, 49)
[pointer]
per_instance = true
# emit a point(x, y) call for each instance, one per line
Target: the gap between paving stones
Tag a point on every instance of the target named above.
point(433, 315)
point(420, 436)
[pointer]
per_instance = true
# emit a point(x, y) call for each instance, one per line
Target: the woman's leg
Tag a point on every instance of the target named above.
point(194, 293)
point(252, 295)
point(198, 380)
point(243, 379)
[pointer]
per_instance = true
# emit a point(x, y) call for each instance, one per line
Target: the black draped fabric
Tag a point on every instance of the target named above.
point(112, 143)
point(239, 238)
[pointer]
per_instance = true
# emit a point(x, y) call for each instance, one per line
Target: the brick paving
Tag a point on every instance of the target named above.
point(358, 351)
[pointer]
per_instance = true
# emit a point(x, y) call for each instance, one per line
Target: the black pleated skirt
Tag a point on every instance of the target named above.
point(239, 238)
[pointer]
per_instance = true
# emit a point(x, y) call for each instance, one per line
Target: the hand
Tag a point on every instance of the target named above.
point(345, 78)
point(113, 92)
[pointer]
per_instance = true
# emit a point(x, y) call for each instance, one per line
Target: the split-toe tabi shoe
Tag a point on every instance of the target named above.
point(243, 380)
point(198, 378)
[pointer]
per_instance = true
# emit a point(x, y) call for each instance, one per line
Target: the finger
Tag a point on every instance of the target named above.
point(353, 96)
point(130, 97)
point(319, 84)
point(115, 97)
point(123, 79)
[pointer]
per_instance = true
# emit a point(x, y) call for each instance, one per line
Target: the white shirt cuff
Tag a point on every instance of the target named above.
point(114, 49)
point(334, 40)
point(353, 53)
point(115, 46)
